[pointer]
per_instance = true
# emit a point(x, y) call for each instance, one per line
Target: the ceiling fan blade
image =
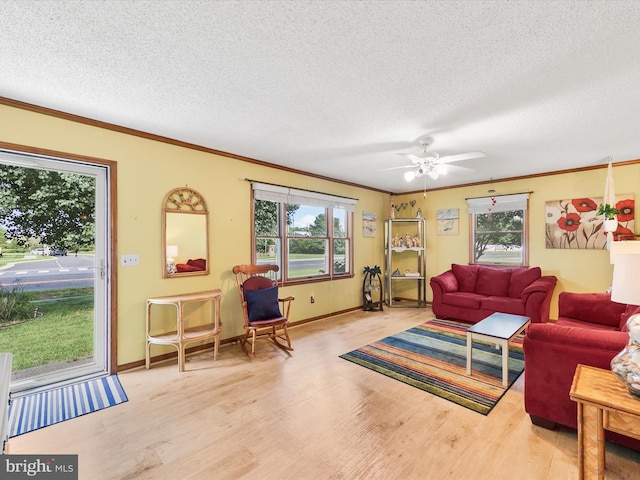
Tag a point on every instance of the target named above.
point(398, 168)
point(462, 156)
point(421, 157)
point(457, 169)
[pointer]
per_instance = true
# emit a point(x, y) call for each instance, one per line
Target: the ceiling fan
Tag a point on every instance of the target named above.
point(430, 163)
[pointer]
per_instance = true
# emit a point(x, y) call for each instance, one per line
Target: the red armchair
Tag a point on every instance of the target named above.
point(588, 331)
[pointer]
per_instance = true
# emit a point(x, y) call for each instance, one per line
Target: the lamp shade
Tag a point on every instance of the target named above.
point(626, 279)
point(172, 251)
point(620, 247)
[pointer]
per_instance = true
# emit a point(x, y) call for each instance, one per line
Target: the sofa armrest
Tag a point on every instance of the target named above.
point(537, 298)
point(551, 354)
point(446, 281)
point(542, 284)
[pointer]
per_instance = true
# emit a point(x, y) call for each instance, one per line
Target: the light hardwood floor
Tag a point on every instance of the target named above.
point(309, 416)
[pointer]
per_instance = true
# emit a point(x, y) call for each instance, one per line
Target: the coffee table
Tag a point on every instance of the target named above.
point(498, 328)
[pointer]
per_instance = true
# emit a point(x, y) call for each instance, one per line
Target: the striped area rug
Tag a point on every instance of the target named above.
point(38, 410)
point(433, 356)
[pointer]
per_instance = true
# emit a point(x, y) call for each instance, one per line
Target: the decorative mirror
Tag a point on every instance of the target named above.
point(185, 234)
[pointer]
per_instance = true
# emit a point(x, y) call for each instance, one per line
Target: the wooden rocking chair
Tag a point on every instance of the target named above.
point(265, 315)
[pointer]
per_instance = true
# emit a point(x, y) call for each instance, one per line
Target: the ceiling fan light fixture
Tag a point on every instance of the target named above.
point(433, 174)
point(409, 176)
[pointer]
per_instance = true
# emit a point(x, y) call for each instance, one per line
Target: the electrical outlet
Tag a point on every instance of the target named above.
point(132, 260)
point(313, 300)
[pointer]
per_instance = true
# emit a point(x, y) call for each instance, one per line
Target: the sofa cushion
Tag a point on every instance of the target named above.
point(629, 311)
point(513, 306)
point(466, 276)
point(521, 278)
point(493, 281)
point(462, 299)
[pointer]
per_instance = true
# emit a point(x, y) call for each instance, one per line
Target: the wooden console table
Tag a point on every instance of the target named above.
point(183, 333)
point(603, 404)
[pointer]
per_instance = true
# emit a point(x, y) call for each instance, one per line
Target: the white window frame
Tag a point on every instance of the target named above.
point(284, 195)
point(499, 204)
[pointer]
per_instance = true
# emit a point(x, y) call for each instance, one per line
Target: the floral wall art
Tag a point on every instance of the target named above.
point(574, 223)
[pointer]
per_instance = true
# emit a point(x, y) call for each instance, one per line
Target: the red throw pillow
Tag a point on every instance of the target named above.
point(199, 263)
point(493, 281)
point(521, 278)
point(466, 276)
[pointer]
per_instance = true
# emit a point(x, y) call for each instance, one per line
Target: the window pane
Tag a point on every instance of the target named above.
point(499, 238)
point(339, 223)
point(265, 218)
point(340, 256)
point(304, 221)
point(268, 251)
point(500, 221)
point(307, 257)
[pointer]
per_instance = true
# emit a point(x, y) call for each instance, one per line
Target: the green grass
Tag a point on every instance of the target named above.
point(19, 257)
point(63, 333)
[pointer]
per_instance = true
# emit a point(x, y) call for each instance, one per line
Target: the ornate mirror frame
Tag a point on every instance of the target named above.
point(185, 234)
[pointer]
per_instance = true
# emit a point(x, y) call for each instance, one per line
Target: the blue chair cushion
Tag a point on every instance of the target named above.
point(262, 304)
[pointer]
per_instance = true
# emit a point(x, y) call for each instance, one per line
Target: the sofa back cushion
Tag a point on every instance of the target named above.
point(521, 278)
point(493, 281)
point(591, 307)
point(466, 275)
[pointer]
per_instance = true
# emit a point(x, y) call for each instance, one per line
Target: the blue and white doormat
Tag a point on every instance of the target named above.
point(38, 410)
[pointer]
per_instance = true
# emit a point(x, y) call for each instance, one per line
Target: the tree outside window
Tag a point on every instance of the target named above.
point(499, 229)
point(498, 238)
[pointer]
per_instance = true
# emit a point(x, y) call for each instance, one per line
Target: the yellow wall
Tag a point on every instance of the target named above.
point(148, 170)
point(577, 270)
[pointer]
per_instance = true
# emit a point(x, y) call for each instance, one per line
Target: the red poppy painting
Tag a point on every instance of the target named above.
point(575, 223)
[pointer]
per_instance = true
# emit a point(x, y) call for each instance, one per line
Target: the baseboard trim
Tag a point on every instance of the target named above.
point(208, 346)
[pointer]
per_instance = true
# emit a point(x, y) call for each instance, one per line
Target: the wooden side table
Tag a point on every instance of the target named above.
point(603, 404)
point(183, 333)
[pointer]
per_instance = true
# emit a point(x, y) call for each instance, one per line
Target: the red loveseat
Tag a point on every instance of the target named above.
point(473, 292)
point(589, 330)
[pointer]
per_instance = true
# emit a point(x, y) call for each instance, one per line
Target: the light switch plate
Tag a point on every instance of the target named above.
point(131, 260)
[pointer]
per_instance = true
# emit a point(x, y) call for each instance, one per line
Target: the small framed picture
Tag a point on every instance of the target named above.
point(447, 221)
point(369, 226)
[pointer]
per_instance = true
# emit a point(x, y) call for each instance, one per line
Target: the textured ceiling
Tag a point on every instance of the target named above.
point(339, 88)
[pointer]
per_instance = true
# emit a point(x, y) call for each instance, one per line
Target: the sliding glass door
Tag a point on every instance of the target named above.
point(54, 269)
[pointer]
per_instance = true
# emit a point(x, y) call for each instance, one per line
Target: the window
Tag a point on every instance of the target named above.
point(499, 230)
point(307, 234)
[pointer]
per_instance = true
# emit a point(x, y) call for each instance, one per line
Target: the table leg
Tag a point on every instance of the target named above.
point(590, 442)
point(469, 351)
point(505, 362)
